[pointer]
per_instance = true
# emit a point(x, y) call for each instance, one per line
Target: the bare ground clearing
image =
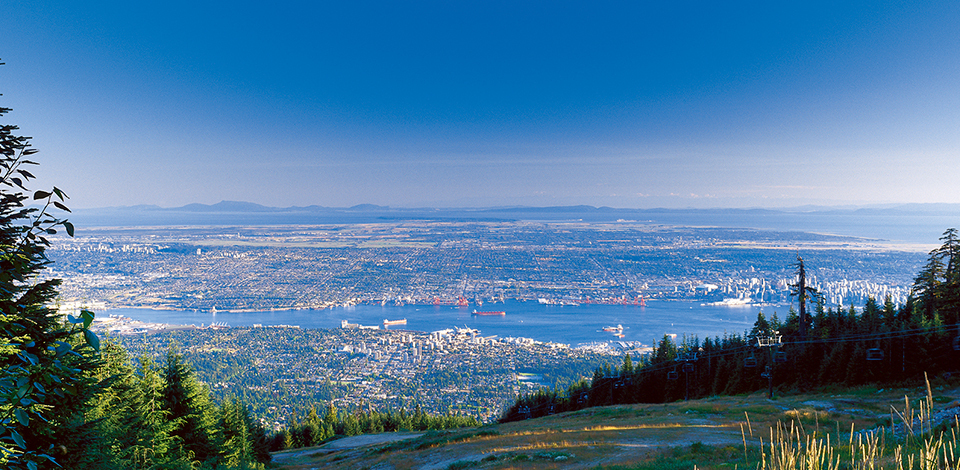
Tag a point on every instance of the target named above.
point(617, 435)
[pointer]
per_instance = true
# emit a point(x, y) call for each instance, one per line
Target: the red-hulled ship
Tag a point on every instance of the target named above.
point(489, 313)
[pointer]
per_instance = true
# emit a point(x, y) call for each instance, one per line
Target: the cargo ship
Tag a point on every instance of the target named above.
point(489, 313)
point(394, 322)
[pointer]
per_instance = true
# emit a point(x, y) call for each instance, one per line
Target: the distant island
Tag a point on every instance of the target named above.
point(913, 223)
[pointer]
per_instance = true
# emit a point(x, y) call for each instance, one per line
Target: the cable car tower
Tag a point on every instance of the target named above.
point(771, 342)
point(689, 359)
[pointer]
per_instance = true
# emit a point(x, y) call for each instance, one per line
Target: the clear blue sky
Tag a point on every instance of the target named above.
point(461, 103)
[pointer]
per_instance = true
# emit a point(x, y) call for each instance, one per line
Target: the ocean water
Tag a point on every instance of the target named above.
point(569, 324)
point(912, 223)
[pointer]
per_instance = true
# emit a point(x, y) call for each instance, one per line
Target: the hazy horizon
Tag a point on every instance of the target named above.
point(923, 207)
point(438, 104)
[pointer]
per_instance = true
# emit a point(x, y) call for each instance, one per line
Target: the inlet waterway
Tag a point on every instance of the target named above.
point(569, 324)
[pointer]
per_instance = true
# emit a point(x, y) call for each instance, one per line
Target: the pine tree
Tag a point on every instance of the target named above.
point(803, 292)
point(189, 407)
point(926, 286)
point(760, 327)
point(627, 369)
point(949, 252)
point(236, 445)
point(134, 426)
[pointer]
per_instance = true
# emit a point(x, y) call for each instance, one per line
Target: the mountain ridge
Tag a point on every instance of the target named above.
point(245, 206)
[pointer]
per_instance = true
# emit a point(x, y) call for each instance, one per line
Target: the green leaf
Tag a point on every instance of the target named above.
point(92, 339)
point(51, 231)
point(61, 206)
point(40, 195)
point(62, 349)
point(31, 465)
point(27, 357)
point(69, 227)
point(74, 320)
point(22, 416)
point(87, 317)
point(18, 439)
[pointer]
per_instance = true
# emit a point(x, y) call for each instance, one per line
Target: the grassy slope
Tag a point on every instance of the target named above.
point(704, 432)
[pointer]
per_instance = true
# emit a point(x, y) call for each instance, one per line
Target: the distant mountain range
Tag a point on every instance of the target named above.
point(240, 206)
point(914, 223)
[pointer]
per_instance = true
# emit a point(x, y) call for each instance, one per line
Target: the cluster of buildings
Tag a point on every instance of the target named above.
point(446, 371)
point(430, 263)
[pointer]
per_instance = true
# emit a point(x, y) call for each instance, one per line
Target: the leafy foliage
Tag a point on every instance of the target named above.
point(66, 401)
point(43, 360)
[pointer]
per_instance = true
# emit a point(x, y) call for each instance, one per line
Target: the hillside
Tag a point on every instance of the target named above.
point(705, 432)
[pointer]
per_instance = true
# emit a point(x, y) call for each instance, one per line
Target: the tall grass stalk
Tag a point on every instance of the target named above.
point(790, 448)
point(743, 435)
point(917, 448)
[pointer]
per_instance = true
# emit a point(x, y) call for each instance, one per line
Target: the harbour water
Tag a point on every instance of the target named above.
point(569, 324)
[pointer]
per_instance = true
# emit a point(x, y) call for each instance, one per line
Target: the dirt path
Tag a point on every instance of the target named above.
point(303, 456)
point(623, 434)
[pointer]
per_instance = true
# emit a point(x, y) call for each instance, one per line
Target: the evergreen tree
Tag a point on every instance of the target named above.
point(234, 426)
point(926, 286)
point(149, 427)
point(311, 430)
point(760, 328)
point(803, 292)
point(134, 430)
point(627, 369)
point(188, 406)
point(949, 252)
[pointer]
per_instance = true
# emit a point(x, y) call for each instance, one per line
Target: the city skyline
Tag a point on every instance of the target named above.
point(463, 105)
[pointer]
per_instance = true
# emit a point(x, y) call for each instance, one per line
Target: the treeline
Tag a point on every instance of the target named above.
point(883, 344)
point(72, 403)
point(314, 430)
point(155, 416)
